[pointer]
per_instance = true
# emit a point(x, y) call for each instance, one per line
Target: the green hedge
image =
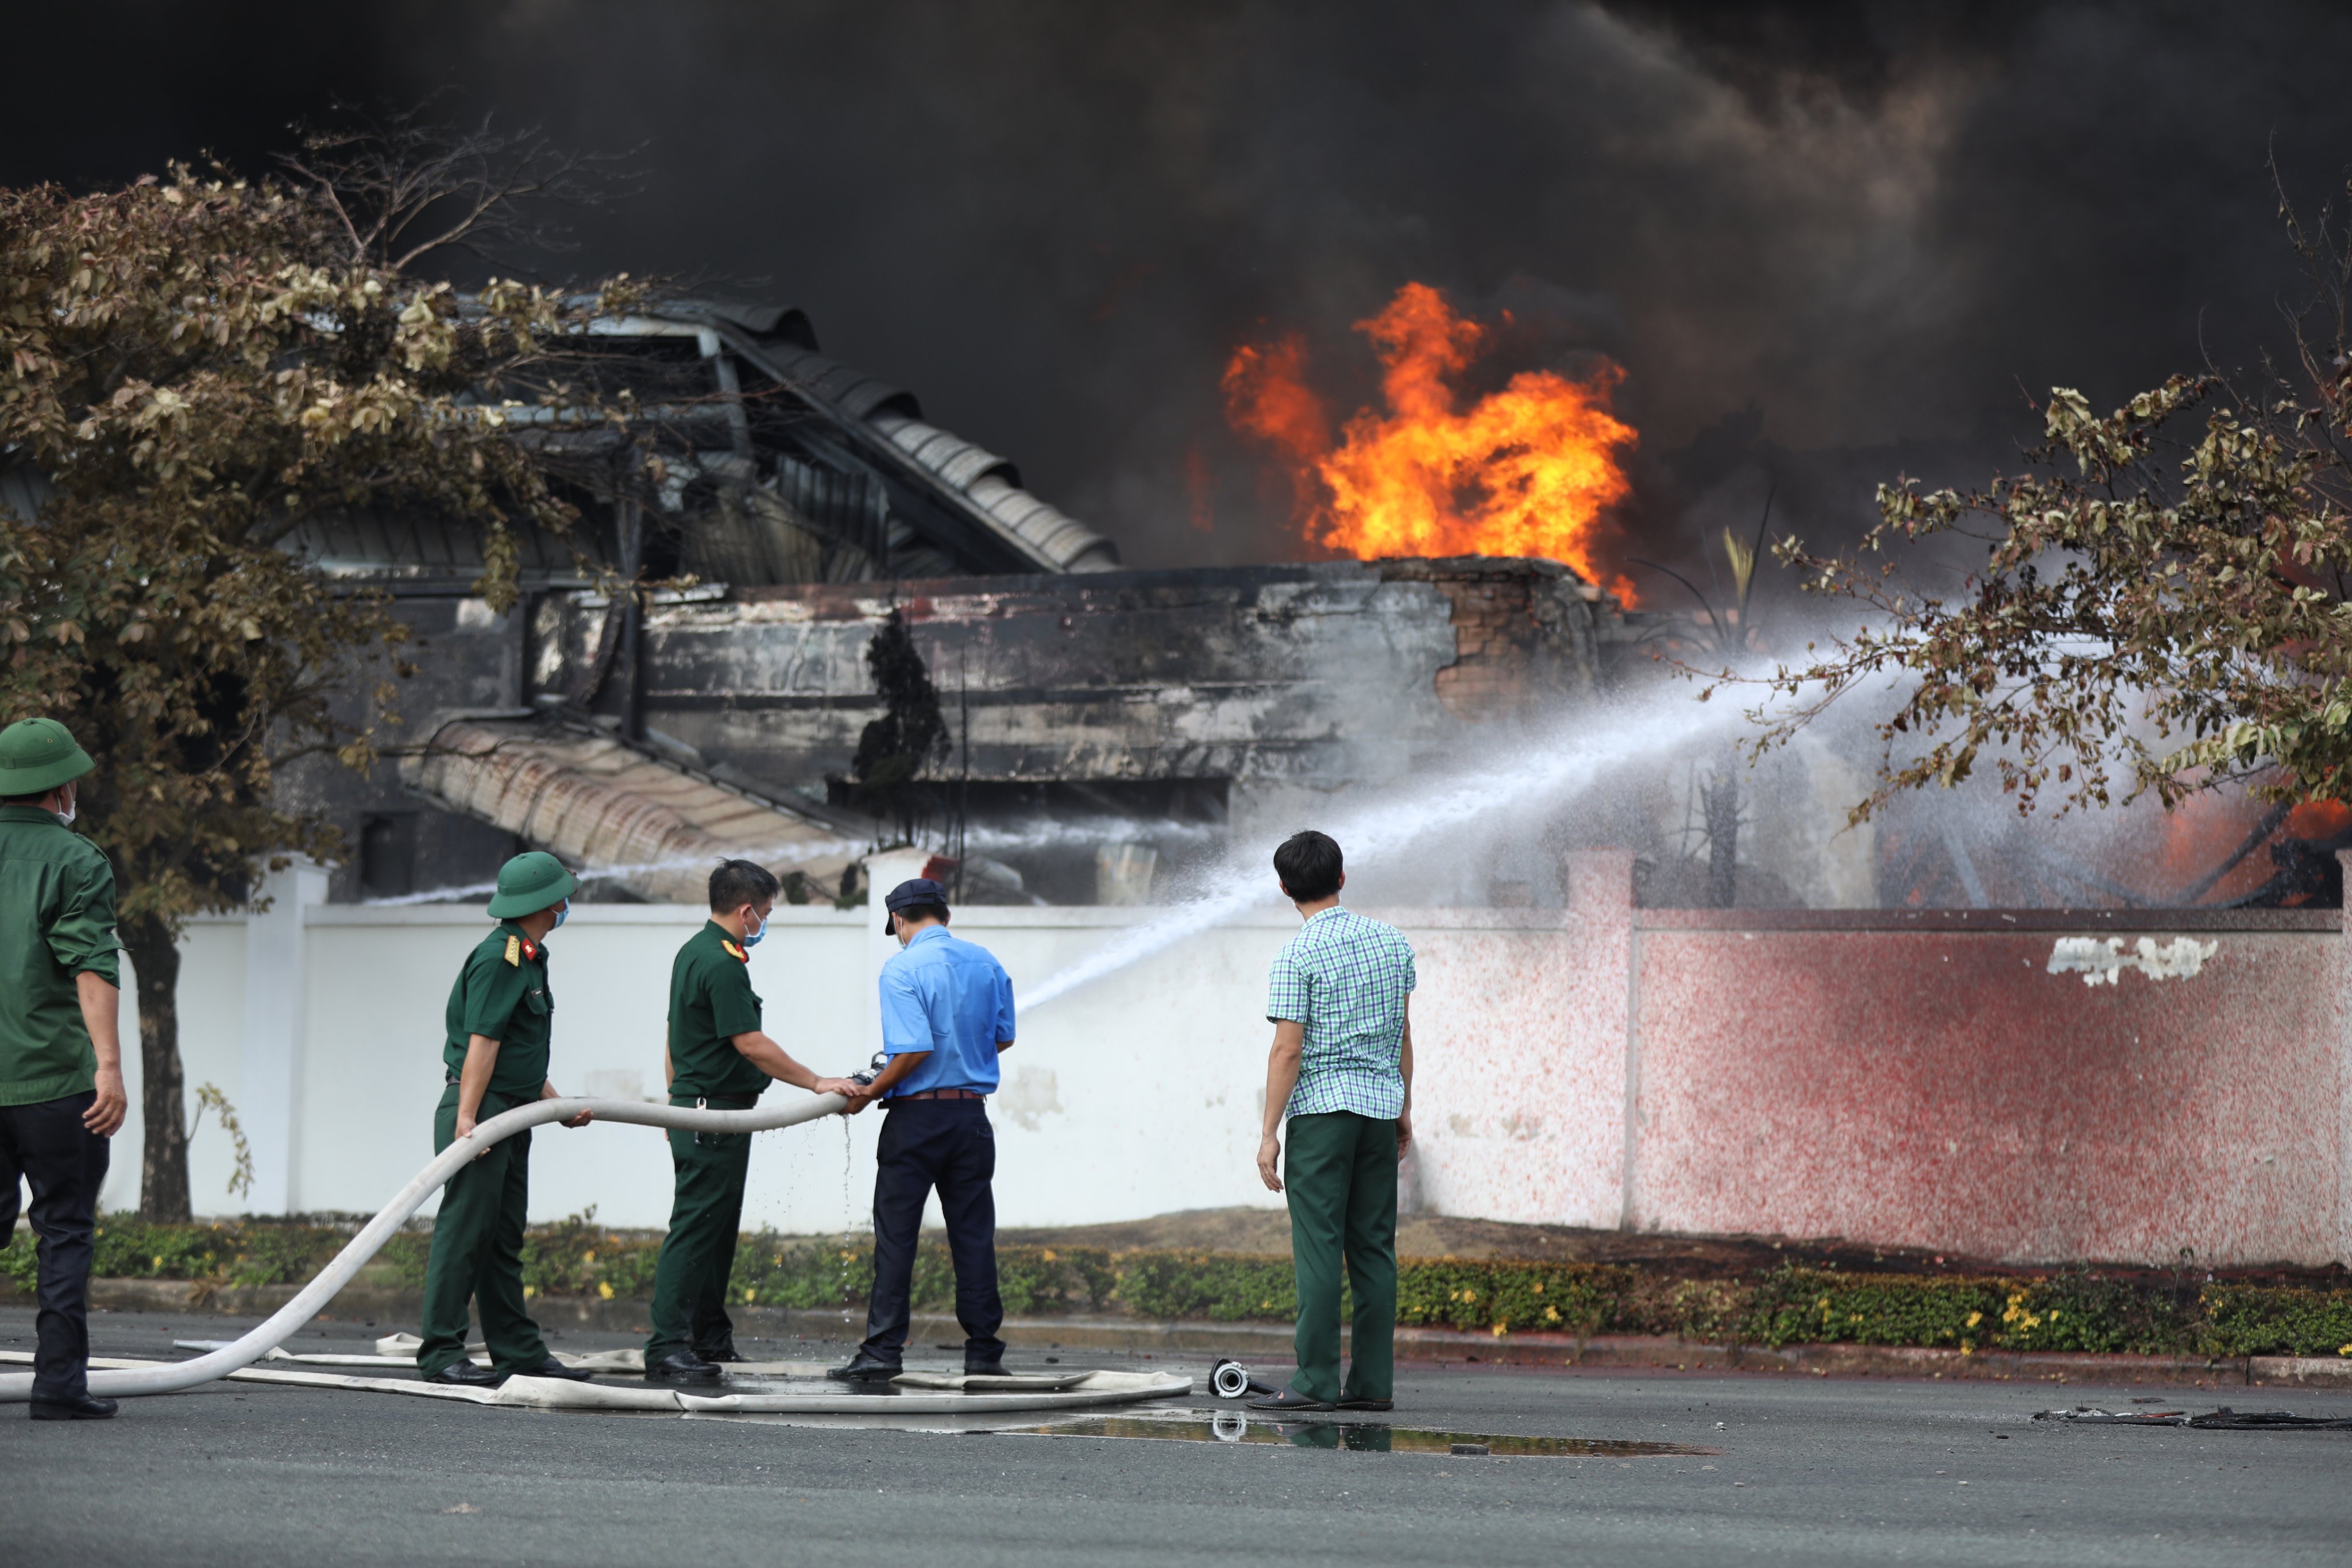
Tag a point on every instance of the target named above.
point(266, 1252)
point(2076, 1310)
point(2251, 1320)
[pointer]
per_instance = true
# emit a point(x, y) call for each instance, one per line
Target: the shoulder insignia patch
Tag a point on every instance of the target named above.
point(530, 950)
point(514, 951)
point(733, 951)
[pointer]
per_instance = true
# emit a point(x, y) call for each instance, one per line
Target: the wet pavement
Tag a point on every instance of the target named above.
point(1641, 1467)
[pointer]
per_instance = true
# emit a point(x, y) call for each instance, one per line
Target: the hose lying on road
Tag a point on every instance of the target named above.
point(281, 1325)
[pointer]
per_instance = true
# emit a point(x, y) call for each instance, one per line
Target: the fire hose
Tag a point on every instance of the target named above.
point(282, 1324)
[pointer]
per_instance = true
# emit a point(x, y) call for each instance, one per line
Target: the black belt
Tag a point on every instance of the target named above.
point(490, 1094)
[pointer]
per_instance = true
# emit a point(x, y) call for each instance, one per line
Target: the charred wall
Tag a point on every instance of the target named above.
point(1332, 672)
point(1226, 690)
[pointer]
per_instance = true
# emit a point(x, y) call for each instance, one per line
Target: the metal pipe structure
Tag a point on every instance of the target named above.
point(282, 1324)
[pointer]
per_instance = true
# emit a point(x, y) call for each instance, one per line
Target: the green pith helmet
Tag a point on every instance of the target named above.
point(38, 754)
point(532, 882)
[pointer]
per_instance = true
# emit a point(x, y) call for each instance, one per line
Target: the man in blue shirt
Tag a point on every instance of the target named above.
point(947, 1015)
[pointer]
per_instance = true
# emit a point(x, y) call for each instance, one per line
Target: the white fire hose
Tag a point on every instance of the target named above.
point(282, 1324)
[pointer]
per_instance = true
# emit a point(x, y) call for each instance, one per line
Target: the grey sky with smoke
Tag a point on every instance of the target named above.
point(1826, 242)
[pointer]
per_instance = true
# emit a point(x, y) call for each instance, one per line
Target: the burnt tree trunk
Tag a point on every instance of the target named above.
point(164, 1175)
point(1721, 800)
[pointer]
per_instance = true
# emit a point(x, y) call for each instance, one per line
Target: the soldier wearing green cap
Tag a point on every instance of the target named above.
point(60, 1055)
point(496, 1054)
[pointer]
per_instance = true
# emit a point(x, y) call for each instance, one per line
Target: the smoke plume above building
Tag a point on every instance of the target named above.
point(1814, 245)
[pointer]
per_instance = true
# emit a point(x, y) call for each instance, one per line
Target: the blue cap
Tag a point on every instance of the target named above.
point(917, 890)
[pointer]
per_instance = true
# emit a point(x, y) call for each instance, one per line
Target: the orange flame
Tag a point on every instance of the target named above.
point(1528, 470)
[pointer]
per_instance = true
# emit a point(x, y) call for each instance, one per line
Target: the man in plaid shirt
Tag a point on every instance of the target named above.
point(1341, 1070)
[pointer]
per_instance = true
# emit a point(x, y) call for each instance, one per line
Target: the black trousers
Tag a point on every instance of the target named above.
point(947, 1144)
point(46, 1146)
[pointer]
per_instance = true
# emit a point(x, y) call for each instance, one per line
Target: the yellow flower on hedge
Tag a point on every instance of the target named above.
point(2344, 1350)
point(588, 1258)
point(158, 1260)
point(529, 1291)
point(1975, 1318)
point(751, 1298)
point(1502, 1329)
point(605, 1289)
point(1538, 1287)
point(1552, 1315)
point(1469, 1295)
point(1049, 1255)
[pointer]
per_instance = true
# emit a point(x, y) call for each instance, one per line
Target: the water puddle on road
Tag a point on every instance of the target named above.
point(1354, 1437)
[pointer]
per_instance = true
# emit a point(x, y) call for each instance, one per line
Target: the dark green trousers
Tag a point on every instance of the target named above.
point(699, 1254)
point(477, 1251)
point(1340, 1174)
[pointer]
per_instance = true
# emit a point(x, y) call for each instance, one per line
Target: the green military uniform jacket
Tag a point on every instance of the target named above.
point(57, 920)
point(711, 1001)
point(502, 994)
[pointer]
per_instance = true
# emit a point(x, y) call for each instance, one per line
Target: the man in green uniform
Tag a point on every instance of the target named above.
point(60, 1055)
point(496, 1054)
point(716, 1058)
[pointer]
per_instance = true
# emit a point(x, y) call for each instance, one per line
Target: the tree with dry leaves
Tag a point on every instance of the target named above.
point(2163, 606)
point(191, 368)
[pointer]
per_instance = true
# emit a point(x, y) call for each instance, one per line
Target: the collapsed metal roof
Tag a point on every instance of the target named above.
point(783, 467)
point(649, 825)
point(963, 502)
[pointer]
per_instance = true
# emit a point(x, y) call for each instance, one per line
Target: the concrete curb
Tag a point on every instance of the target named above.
point(1271, 1343)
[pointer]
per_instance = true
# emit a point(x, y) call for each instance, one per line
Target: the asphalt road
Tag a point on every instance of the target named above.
point(1809, 1472)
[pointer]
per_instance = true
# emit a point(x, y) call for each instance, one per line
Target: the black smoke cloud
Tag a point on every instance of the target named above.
point(1827, 242)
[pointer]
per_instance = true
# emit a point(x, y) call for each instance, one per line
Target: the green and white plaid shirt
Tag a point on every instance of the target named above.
point(1345, 978)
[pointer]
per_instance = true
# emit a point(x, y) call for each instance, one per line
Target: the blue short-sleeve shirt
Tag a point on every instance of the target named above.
point(952, 998)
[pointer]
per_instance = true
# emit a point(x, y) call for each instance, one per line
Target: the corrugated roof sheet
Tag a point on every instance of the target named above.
point(605, 806)
point(988, 485)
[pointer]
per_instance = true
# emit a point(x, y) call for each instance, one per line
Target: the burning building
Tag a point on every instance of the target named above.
point(1099, 731)
point(1101, 726)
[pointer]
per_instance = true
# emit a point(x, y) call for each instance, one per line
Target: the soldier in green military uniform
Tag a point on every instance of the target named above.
point(496, 1053)
point(60, 1055)
point(718, 1059)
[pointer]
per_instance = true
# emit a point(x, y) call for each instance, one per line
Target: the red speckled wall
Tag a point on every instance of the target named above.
point(1944, 1088)
point(1937, 1079)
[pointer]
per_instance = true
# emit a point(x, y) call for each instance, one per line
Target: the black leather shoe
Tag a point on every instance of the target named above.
point(864, 1368)
point(994, 1369)
point(724, 1352)
point(552, 1367)
point(681, 1369)
point(465, 1374)
point(1366, 1404)
point(84, 1407)
point(1290, 1399)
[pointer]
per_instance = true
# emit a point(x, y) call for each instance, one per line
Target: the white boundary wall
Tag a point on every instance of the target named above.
point(1135, 1096)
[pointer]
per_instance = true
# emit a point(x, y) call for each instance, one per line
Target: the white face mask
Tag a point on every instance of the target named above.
point(73, 799)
